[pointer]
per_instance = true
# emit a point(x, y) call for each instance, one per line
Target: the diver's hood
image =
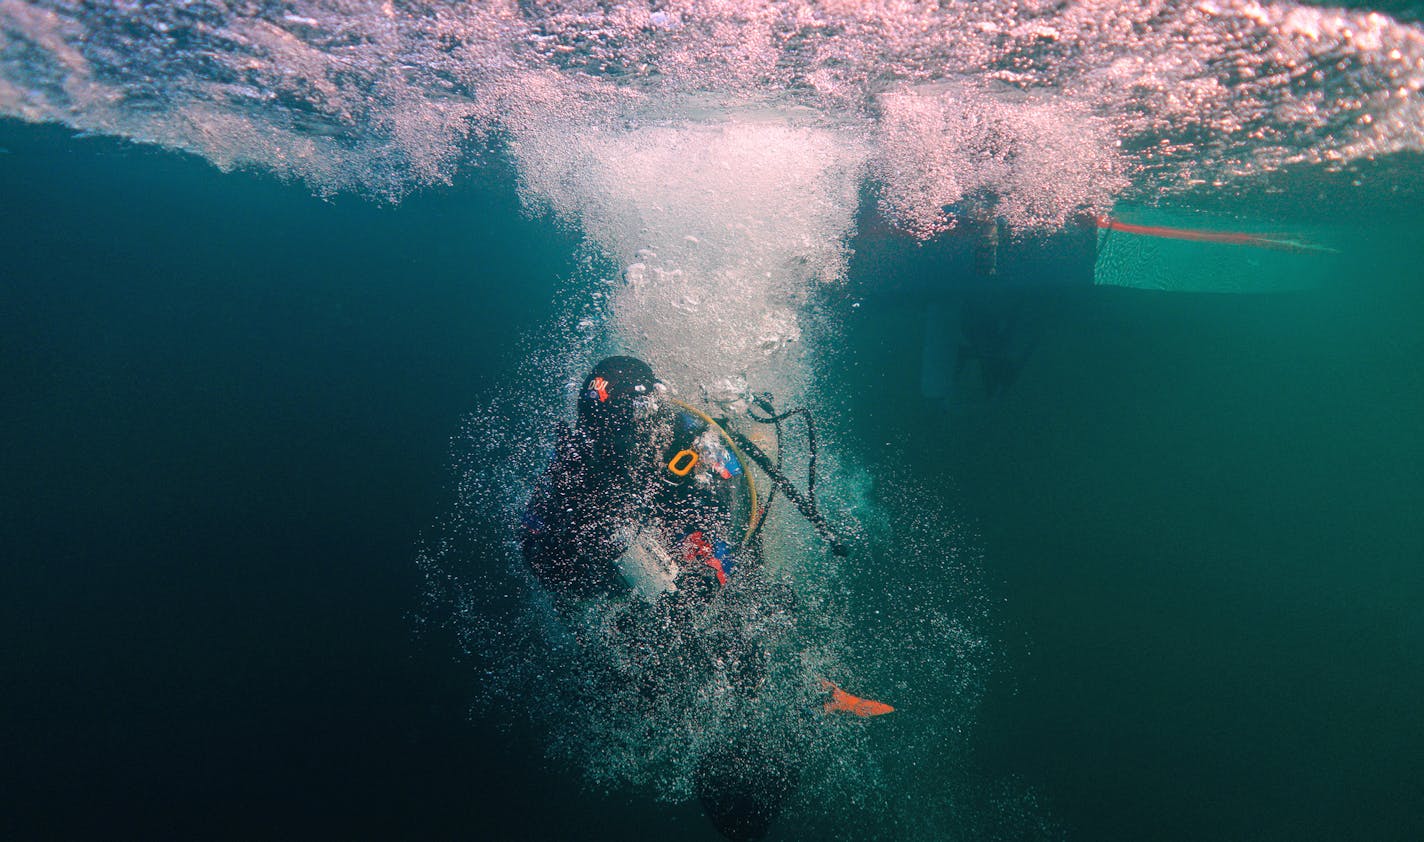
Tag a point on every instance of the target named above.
point(611, 401)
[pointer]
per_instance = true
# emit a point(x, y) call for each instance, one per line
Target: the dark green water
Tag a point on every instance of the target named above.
point(1203, 515)
point(228, 409)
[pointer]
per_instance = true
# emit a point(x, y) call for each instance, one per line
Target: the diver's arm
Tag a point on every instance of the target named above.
point(568, 535)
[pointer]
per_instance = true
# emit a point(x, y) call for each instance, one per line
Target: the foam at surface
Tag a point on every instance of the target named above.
point(1126, 98)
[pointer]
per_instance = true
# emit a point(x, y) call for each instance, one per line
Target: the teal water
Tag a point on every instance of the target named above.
point(1198, 519)
point(265, 449)
point(1200, 513)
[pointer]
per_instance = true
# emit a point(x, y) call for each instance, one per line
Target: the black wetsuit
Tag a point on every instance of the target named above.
point(576, 522)
point(624, 471)
point(680, 481)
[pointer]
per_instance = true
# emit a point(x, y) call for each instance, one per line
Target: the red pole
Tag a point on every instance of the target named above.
point(1235, 238)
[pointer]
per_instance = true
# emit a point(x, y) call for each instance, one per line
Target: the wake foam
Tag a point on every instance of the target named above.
point(1126, 98)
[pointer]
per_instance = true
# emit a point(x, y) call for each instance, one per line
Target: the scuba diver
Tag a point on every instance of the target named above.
point(608, 484)
point(650, 498)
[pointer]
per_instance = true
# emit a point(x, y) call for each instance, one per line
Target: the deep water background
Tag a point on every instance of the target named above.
point(227, 408)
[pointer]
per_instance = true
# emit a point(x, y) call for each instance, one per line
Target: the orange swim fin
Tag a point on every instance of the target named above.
point(843, 702)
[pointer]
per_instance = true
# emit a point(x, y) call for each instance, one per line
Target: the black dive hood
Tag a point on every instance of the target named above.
point(608, 404)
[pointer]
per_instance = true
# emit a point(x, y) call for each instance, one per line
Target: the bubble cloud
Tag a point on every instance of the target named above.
point(1051, 106)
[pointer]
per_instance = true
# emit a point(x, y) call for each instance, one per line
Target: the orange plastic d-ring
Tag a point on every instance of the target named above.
point(683, 462)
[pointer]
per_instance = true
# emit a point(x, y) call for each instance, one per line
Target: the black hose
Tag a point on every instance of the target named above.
point(764, 401)
point(807, 503)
